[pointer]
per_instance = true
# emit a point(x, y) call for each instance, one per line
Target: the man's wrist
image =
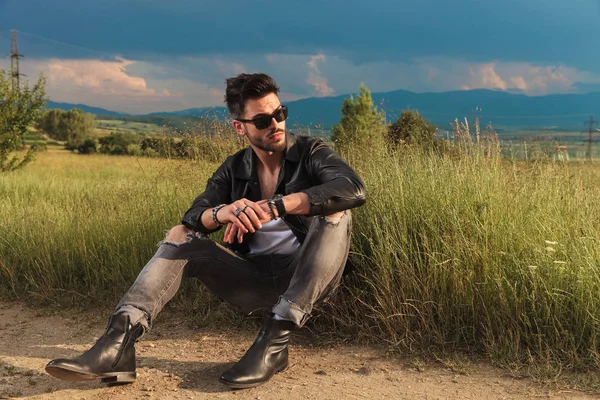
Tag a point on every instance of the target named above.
point(279, 204)
point(214, 213)
point(272, 208)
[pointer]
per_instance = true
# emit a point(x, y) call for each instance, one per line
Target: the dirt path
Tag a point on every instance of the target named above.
point(178, 363)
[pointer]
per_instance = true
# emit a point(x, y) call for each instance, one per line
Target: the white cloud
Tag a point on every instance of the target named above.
point(96, 77)
point(518, 82)
point(122, 85)
point(484, 76)
point(174, 84)
point(315, 78)
point(530, 79)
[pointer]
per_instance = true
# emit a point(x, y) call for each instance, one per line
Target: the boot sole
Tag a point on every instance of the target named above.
point(235, 385)
point(70, 375)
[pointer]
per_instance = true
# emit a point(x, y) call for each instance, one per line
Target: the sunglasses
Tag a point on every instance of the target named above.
point(264, 121)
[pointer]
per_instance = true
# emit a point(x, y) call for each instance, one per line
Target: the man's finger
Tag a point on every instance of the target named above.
point(228, 233)
point(251, 214)
point(257, 210)
point(246, 221)
point(240, 225)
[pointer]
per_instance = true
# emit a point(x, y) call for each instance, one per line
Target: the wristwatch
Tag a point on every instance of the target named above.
point(277, 201)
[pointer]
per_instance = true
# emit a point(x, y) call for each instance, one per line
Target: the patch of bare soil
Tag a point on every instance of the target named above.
point(176, 362)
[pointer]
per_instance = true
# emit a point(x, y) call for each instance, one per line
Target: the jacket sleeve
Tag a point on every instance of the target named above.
point(218, 191)
point(338, 186)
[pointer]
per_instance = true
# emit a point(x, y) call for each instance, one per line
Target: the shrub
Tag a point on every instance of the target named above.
point(87, 147)
point(118, 143)
point(412, 129)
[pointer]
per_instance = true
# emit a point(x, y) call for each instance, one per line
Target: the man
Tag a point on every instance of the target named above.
point(284, 201)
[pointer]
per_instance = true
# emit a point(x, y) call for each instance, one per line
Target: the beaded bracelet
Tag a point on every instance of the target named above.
point(272, 208)
point(214, 214)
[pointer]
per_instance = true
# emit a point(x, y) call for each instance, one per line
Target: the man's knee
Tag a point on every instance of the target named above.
point(179, 234)
point(336, 218)
point(336, 215)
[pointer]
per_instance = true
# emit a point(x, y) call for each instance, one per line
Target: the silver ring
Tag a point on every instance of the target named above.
point(237, 212)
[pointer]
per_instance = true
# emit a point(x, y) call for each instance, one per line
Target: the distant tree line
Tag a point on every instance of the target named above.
point(179, 123)
point(74, 127)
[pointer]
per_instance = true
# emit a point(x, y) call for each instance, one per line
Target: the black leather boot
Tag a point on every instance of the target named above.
point(267, 355)
point(112, 358)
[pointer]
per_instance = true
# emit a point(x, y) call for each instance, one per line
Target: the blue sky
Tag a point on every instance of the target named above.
point(141, 56)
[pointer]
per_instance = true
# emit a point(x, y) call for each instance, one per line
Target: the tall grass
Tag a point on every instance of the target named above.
point(81, 227)
point(459, 250)
point(477, 253)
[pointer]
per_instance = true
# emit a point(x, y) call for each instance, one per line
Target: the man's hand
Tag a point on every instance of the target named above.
point(233, 229)
point(241, 217)
point(295, 203)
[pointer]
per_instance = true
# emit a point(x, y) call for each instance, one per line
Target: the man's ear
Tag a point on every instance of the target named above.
point(239, 127)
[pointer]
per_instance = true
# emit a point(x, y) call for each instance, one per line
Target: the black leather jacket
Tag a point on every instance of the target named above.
point(309, 166)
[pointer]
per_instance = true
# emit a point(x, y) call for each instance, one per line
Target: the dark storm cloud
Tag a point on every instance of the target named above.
point(549, 32)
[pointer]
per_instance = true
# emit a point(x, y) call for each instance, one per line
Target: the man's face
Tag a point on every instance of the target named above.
point(271, 138)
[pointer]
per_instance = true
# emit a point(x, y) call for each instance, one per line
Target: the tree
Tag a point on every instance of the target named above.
point(118, 142)
point(18, 111)
point(361, 121)
point(76, 126)
point(412, 129)
point(72, 127)
point(49, 122)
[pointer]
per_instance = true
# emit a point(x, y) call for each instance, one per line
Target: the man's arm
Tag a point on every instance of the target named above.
point(218, 191)
point(340, 188)
point(297, 203)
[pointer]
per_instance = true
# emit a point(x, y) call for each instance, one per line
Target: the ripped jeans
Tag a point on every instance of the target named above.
point(288, 284)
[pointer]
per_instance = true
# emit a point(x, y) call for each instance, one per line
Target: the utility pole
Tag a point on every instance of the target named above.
point(14, 62)
point(591, 123)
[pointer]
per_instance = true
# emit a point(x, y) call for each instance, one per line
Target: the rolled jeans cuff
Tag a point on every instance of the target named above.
point(291, 311)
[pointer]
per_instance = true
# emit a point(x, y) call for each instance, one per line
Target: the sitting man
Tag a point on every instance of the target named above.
point(284, 201)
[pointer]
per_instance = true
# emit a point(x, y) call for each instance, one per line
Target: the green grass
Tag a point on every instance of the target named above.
point(535, 143)
point(105, 127)
point(463, 252)
point(86, 223)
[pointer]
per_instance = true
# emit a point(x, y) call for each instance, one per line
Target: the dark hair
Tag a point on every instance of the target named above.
point(245, 87)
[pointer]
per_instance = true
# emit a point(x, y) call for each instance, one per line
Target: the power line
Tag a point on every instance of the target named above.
point(113, 56)
point(65, 44)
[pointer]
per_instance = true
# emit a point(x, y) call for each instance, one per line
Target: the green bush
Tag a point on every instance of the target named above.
point(87, 147)
point(413, 130)
point(119, 143)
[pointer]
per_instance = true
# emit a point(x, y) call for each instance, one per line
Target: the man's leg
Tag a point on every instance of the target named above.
point(243, 283)
point(317, 268)
point(246, 284)
point(315, 273)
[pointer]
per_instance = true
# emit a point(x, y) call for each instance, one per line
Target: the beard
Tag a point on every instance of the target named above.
point(263, 142)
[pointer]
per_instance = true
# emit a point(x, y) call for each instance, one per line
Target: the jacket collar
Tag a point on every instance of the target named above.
point(246, 169)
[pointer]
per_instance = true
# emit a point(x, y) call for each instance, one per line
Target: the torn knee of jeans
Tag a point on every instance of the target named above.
point(334, 219)
point(188, 238)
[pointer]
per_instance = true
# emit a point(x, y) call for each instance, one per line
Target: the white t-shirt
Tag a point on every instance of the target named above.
point(275, 237)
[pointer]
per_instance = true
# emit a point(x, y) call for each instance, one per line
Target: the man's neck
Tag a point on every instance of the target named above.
point(269, 160)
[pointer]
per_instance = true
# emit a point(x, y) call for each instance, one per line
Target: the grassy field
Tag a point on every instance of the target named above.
point(106, 127)
point(551, 143)
point(466, 253)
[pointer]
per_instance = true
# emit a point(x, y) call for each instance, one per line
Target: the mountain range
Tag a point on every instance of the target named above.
point(502, 109)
